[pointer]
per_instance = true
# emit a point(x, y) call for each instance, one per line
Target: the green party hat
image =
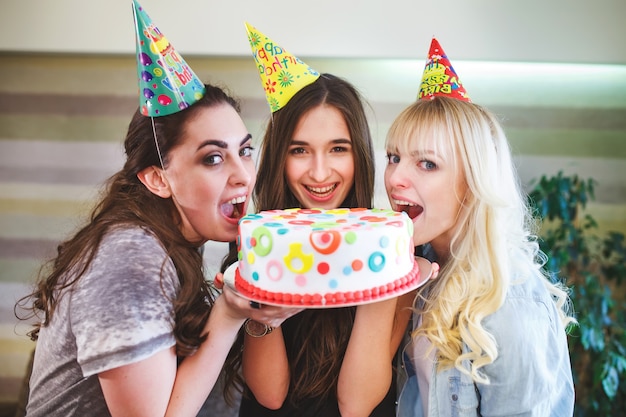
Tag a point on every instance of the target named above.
point(166, 83)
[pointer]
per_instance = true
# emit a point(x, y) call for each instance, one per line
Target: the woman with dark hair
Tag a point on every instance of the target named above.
point(317, 153)
point(129, 325)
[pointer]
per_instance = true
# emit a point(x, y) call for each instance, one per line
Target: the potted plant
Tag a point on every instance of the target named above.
point(593, 266)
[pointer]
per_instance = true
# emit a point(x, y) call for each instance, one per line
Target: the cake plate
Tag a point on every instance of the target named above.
point(425, 271)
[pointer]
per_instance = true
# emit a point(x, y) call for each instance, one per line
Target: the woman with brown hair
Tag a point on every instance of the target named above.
point(128, 324)
point(317, 152)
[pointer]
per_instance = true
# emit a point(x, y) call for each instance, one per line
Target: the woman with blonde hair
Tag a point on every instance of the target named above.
point(489, 334)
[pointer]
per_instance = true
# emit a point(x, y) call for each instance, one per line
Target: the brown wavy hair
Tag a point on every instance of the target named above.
point(324, 335)
point(127, 202)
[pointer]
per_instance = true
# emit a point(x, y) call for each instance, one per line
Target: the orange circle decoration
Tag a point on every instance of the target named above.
point(357, 265)
point(326, 241)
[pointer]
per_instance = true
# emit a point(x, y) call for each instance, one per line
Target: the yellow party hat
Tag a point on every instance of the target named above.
point(282, 74)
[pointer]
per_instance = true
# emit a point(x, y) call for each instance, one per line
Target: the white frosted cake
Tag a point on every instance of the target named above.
point(315, 257)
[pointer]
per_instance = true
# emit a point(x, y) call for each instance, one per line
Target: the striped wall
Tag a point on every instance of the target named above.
point(63, 117)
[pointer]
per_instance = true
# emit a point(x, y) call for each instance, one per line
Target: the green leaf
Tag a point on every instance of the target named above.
point(610, 382)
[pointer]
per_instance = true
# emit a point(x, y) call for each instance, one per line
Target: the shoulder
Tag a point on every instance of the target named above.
point(131, 247)
point(131, 238)
point(128, 259)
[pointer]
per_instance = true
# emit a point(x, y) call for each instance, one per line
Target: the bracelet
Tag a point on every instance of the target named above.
point(256, 329)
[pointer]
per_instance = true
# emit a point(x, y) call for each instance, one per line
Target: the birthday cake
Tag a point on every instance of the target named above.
point(315, 257)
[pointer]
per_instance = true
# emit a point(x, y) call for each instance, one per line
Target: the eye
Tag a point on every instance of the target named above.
point(297, 151)
point(427, 165)
point(212, 159)
point(246, 151)
point(393, 159)
point(340, 149)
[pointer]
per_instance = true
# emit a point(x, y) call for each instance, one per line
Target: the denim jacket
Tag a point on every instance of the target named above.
point(531, 376)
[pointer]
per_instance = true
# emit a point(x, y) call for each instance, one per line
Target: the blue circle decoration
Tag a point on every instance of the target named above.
point(376, 261)
point(322, 216)
point(272, 224)
point(347, 270)
point(384, 242)
point(282, 231)
point(333, 283)
point(255, 276)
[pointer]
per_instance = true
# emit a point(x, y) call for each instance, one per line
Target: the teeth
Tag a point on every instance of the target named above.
point(321, 190)
point(238, 200)
point(404, 203)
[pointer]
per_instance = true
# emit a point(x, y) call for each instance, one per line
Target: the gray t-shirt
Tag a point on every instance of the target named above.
point(120, 312)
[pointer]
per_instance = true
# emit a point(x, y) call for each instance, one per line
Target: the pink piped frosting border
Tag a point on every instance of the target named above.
point(399, 286)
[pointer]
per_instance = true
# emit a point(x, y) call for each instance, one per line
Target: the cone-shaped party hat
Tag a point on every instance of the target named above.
point(166, 83)
point(282, 74)
point(439, 77)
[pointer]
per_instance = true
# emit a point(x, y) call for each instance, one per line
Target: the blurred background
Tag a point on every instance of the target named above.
point(554, 71)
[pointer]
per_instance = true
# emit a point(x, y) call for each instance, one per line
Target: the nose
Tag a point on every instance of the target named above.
point(396, 177)
point(240, 174)
point(320, 168)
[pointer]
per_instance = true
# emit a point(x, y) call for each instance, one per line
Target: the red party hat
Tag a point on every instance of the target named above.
point(439, 77)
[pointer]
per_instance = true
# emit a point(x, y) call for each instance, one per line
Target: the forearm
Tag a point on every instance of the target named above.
point(266, 368)
point(197, 374)
point(155, 386)
point(366, 370)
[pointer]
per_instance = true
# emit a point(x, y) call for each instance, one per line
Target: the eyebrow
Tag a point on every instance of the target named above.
point(222, 144)
point(335, 141)
point(428, 153)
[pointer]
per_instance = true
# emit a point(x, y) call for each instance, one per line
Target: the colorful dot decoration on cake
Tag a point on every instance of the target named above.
point(326, 257)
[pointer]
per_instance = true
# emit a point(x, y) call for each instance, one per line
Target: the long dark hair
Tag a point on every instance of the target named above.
point(271, 190)
point(324, 334)
point(127, 202)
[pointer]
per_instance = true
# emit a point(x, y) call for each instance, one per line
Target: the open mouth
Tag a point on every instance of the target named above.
point(412, 210)
point(235, 208)
point(321, 192)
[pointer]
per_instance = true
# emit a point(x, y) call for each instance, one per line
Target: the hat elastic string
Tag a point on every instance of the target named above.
point(156, 142)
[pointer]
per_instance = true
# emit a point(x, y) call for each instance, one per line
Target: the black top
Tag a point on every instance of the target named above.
point(311, 407)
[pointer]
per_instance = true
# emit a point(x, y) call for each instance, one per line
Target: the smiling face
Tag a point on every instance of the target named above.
point(422, 181)
point(320, 160)
point(211, 174)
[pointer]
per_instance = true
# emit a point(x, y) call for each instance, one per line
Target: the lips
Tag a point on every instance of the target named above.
point(321, 192)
